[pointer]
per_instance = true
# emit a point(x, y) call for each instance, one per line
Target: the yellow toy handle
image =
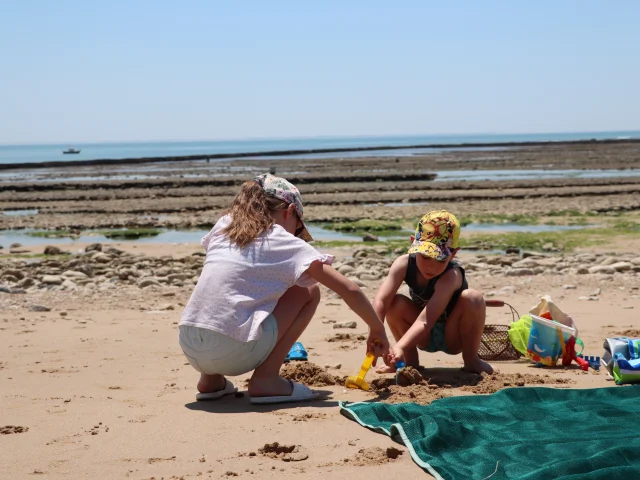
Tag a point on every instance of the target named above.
point(368, 361)
point(562, 344)
point(366, 365)
point(358, 382)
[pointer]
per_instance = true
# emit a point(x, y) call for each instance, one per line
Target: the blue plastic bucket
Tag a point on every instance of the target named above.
point(544, 344)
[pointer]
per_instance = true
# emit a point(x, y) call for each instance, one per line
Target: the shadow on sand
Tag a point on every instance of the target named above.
point(233, 404)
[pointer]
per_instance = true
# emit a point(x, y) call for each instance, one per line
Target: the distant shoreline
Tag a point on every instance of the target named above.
point(281, 153)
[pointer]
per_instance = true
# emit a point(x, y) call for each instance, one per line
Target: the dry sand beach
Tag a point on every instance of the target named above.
point(94, 384)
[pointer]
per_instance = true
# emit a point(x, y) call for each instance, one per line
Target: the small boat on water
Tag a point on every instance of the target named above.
point(71, 151)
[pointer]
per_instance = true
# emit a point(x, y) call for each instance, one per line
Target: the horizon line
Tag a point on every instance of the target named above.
point(317, 137)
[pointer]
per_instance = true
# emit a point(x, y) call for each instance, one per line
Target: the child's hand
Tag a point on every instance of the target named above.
point(377, 343)
point(395, 355)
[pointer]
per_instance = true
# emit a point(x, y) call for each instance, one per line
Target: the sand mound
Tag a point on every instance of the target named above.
point(373, 456)
point(420, 394)
point(423, 388)
point(411, 388)
point(409, 376)
point(274, 449)
point(499, 381)
point(382, 383)
point(473, 382)
point(287, 453)
point(9, 429)
point(451, 378)
point(307, 373)
point(405, 377)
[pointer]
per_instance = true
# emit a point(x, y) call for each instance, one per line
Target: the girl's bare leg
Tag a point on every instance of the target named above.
point(294, 311)
point(211, 383)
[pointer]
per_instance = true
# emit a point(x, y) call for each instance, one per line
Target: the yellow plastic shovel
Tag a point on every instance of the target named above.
point(358, 382)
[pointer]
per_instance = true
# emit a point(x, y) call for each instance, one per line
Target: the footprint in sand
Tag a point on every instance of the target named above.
point(141, 419)
point(629, 333)
point(159, 459)
point(67, 440)
point(374, 456)
point(308, 416)
point(151, 460)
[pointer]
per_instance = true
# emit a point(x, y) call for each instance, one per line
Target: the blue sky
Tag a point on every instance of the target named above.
point(164, 70)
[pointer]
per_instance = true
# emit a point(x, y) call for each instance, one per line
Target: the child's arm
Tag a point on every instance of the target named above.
point(356, 300)
point(390, 286)
point(444, 290)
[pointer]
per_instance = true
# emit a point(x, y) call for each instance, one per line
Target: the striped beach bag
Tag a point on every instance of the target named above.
point(622, 359)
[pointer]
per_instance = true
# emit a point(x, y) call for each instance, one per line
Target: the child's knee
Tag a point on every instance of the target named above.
point(473, 298)
point(396, 308)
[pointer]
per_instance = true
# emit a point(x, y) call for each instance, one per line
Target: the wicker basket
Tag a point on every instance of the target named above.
point(495, 344)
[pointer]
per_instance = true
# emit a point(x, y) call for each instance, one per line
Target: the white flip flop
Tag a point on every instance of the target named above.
point(301, 393)
point(228, 389)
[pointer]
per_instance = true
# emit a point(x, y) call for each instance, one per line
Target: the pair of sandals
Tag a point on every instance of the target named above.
point(300, 393)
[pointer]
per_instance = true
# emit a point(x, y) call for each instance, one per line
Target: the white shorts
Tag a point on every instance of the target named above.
point(210, 352)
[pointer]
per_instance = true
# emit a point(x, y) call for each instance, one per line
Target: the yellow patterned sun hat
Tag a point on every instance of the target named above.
point(437, 235)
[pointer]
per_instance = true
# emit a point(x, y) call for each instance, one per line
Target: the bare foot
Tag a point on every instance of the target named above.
point(392, 368)
point(478, 366)
point(211, 383)
point(270, 387)
point(386, 369)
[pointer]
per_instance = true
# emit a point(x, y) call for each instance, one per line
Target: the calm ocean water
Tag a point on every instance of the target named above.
point(90, 151)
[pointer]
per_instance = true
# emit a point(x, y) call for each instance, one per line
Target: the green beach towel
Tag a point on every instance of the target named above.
point(517, 433)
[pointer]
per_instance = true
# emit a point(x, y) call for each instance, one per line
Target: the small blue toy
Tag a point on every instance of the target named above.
point(297, 353)
point(399, 366)
point(594, 362)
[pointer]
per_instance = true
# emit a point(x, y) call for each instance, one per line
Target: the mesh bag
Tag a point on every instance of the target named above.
point(519, 333)
point(495, 344)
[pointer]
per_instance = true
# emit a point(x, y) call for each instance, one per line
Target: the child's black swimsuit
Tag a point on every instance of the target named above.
point(422, 296)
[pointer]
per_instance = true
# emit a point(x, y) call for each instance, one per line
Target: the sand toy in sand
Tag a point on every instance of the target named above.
point(358, 381)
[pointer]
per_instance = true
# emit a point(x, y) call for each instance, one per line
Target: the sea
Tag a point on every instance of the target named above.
point(118, 150)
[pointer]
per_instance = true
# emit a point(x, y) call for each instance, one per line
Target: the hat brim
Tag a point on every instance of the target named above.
point(304, 234)
point(430, 250)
